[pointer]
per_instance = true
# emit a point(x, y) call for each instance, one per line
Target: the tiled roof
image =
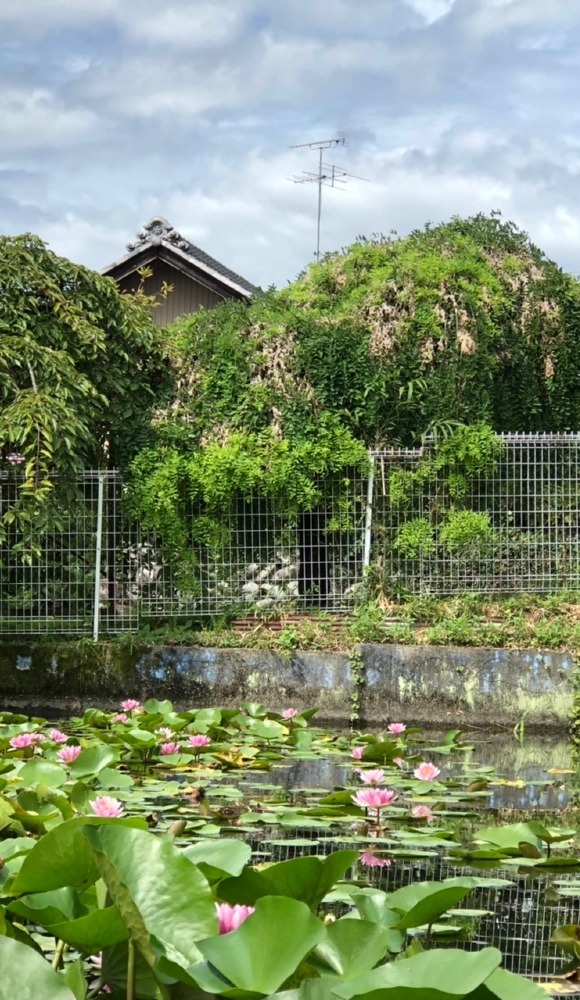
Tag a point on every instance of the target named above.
point(159, 232)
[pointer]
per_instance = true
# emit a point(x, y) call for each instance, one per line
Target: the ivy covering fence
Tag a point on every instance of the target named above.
point(473, 513)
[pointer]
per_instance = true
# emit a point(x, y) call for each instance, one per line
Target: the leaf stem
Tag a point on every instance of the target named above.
point(131, 971)
point(58, 953)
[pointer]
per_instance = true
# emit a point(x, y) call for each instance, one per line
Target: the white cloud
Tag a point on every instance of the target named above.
point(495, 16)
point(431, 10)
point(113, 112)
point(37, 119)
point(194, 27)
point(88, 242)
point(37, 17)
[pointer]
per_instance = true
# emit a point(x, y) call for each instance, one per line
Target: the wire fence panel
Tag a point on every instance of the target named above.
point(514, 912)
point(261, 559)
point(513, 528)
point(49, 581)
point(416, 525)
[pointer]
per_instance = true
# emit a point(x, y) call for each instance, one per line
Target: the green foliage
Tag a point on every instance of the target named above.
point(25, 974)
point(468, 451)
point(218, 476)
point(464, 528)
point(80, 368)
point(415, 538)
point(464, 322)
point(447, 335)
point(442, 484)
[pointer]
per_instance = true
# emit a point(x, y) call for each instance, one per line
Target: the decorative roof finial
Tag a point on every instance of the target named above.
point(156, 231)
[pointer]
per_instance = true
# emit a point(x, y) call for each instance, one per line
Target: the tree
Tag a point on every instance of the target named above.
point(81, 367)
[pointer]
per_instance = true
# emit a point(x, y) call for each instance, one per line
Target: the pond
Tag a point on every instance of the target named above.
point(414, 807)
point(531, 774)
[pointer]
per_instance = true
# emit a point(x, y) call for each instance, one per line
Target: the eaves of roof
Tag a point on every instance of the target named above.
point(186, 257)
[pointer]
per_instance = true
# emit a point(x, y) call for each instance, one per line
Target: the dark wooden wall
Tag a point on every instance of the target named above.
point(187, 296)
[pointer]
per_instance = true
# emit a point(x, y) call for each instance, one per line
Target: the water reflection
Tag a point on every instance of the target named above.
point(534, 772)
point(538, 763)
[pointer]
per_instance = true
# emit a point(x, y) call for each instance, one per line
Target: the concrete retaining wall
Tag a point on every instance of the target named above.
point(438, 685)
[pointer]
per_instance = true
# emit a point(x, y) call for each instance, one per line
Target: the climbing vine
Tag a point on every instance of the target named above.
point(450, 334)
point(357, 676)
point(443, 484)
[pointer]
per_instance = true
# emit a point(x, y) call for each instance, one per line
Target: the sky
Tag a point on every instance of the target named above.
point(114, 111)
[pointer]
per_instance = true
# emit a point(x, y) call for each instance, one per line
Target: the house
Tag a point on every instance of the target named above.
point(198, 281)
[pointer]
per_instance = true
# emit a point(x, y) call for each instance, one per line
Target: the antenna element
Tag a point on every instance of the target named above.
point(328, 175)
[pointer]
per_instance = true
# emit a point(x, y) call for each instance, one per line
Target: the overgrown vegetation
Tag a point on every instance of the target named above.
point(378, 345)
point(528, 621)
point(456, 331)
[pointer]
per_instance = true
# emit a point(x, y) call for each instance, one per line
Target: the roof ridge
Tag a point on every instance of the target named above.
point(159, 231)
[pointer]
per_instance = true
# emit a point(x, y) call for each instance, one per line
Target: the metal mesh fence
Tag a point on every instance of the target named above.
point(261, 559)
point(68, 576)
point(514, 528)
point(416, 526)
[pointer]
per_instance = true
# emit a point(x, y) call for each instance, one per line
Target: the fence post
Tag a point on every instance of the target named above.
point(369, 515)
point(98, 552)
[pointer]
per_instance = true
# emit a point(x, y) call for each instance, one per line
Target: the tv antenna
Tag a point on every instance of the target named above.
point(328, 174)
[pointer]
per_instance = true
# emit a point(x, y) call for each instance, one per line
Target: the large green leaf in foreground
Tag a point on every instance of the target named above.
point(433, 975)
point(267, 948)
point(164, 900)
point(423, 902)
point(63, 858)
point(25, 975)
point(307, 879)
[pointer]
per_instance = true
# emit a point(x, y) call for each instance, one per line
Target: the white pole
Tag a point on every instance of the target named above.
point(98, 551)
point(319, 206)
point(369, 514)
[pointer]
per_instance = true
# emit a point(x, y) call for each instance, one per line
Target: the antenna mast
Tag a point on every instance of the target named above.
point(328, 175)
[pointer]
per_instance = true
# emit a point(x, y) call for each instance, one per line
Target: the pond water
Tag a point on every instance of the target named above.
point(532, 779)
point(530, 775)
point(279, 810)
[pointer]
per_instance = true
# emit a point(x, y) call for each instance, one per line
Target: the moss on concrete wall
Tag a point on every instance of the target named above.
point(435, 685)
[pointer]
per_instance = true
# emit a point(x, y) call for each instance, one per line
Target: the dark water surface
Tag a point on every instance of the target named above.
point(537, 772)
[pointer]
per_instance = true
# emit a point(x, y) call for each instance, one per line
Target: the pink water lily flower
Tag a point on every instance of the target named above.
point(399, 761)
point(131, 705)
point(198, 741)
point(426, 772)
point(373, 861)
point(374, 798)
point(289, 713)
point(375, 777)
point(106, 806)
point(167, 748)
point(397, 727)
point(57, 737)
point(22, 741)
point(120, 717)
point(357, 752)
point(232, 917)
point(165, 731)
point(67, 755)
point(422, 812)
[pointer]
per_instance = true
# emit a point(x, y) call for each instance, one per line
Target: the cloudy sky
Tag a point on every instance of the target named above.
point(117, 110)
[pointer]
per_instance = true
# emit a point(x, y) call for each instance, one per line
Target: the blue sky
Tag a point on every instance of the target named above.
point(117, 110)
